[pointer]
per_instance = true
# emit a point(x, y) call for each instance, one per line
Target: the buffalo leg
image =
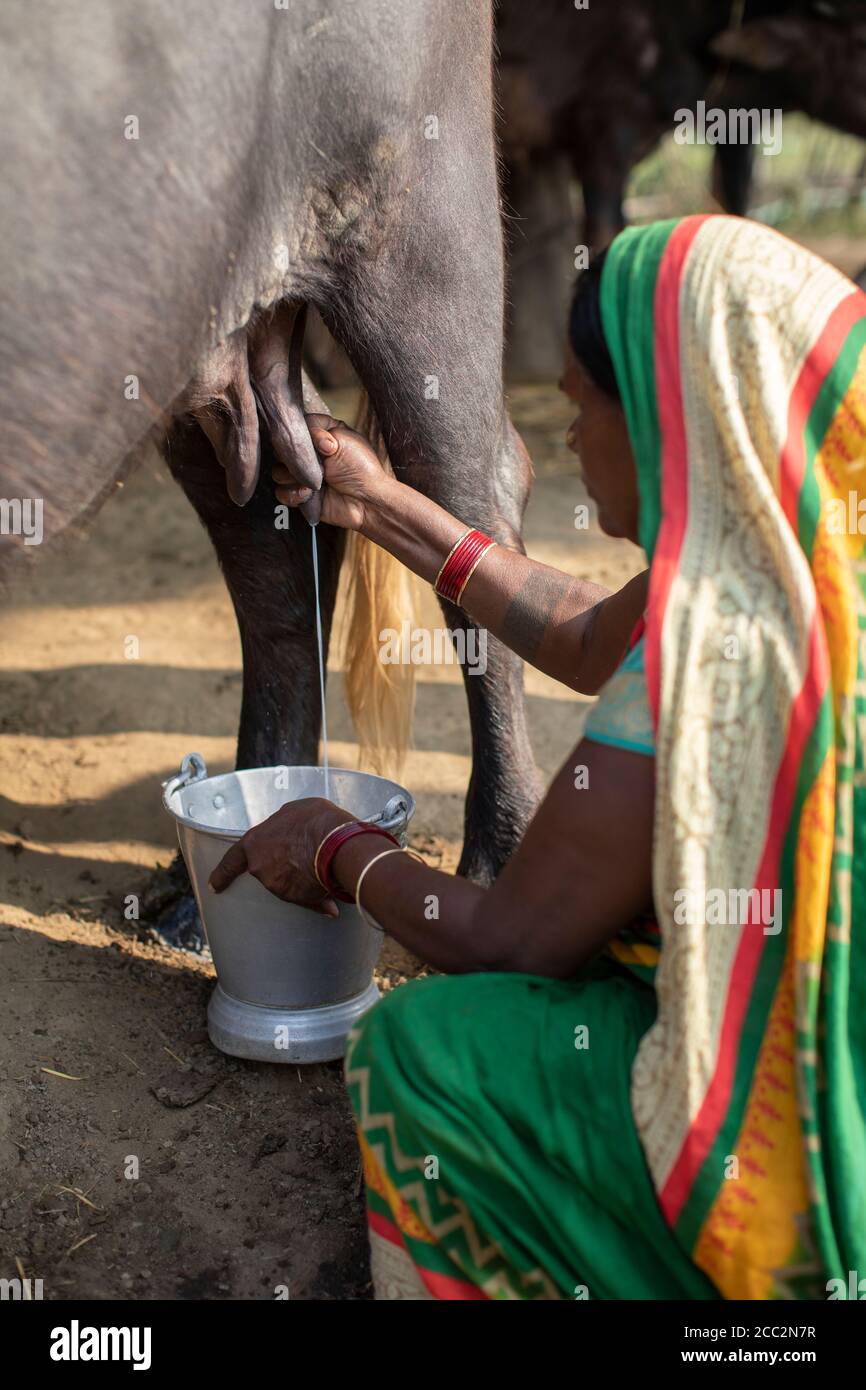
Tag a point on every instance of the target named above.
point(269, 576)
point(424, 327)
point(732, 177)
point(268, 573)
point(541, 268)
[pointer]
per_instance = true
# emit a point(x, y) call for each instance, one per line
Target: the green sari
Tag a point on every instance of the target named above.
point(500, 1155)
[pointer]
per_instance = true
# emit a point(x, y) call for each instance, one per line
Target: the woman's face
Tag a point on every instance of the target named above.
point(599, 436)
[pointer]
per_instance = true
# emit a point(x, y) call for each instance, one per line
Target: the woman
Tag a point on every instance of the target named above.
point(645, 1074)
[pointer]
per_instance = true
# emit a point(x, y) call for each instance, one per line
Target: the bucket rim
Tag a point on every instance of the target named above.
point(180, 781)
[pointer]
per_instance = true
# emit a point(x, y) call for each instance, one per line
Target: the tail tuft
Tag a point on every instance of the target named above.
point(380, 596)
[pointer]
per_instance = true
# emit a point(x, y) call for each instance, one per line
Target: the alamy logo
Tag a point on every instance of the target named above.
point(738, 126)
point(736, 907)
point(854, 1288)
point(419, 646)
point(20, 1290)
point(22, 516)
point(77, 1343)
point(846, 518)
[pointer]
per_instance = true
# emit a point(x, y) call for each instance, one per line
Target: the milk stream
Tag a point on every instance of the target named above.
point(321, 665)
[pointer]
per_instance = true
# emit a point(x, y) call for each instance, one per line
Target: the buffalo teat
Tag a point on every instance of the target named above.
point(276, 348)
point(222, 400)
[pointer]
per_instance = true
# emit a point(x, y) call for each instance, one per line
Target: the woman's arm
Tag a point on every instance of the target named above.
point(569, 628)
point(582, 872)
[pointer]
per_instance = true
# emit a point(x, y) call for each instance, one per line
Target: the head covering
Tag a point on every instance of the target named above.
point(741, 363)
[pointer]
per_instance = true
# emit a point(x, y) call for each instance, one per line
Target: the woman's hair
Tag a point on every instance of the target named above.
point(585, 330)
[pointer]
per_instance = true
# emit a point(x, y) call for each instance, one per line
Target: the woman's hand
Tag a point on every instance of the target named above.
point(280, 853)
point(354, 476)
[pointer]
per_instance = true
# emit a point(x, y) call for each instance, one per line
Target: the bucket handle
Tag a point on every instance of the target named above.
point(393, 815)
point(192, 769)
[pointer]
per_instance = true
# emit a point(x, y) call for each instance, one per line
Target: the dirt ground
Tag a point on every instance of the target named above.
point(248, 1175)
point(136, 1160)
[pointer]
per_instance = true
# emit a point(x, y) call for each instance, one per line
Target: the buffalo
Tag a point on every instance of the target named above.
point(181, 184)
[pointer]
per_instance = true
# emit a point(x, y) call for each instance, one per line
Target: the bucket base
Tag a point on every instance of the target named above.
point(284, 1035)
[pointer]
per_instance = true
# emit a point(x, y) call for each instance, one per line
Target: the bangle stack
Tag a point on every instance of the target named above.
point(329, 846)
point(460, 564)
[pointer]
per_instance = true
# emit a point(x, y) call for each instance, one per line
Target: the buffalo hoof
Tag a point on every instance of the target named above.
point(168, 908)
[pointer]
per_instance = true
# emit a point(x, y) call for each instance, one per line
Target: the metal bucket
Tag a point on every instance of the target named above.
point(291, 983)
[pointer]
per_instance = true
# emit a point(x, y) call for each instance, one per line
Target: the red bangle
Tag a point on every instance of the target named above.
point(460, 564)
point(329, 846)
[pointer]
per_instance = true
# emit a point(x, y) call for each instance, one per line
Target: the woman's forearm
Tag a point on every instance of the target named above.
point(563, 626)
point(562, 895)
point(429, 912)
